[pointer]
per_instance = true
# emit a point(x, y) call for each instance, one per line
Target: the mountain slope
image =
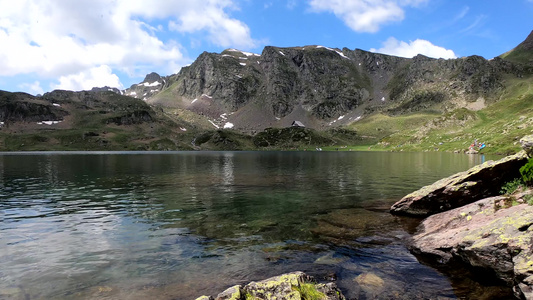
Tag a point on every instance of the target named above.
point(523, 53)
point(64, 120)
point(324, 87)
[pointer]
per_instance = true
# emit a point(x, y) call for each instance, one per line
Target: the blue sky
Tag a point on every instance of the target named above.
point(75, 45)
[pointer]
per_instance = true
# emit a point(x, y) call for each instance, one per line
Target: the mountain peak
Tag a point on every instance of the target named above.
point(152, 77)
point(523, 53)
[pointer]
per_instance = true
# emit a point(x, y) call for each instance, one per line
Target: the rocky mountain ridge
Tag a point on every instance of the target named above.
point(324, 87)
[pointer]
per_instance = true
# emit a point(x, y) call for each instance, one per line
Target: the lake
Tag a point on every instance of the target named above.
point(177, 225)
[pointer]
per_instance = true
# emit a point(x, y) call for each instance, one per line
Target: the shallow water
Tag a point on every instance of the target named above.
point(177, 225)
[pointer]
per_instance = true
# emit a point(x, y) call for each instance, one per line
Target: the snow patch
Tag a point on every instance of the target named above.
point(336, 51)
point(242, 64)
point(340, 118)
point(238, 76)
point(228, 125)
point(194, 101)
point(358, 118)
point(245, 53)
point(47, 122)
point(183, 129)
point(216, 126)
point(147, 84)
point(132, 93)
point(56, 104)
point(207, 96)
point(224, 116)
point(382, 98)
point(281, 53)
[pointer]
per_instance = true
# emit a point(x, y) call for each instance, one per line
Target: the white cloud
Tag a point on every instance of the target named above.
point(64, 38)
point(395, 47)
point(32, 88)
point(86, 80)
point(365, 15)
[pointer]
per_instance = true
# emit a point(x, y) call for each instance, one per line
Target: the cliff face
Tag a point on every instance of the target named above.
point(324, 87)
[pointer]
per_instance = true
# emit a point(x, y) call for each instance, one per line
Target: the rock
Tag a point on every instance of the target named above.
point(233, 293)
point(479, 182)
point(292, 286)
point(527, 144)
point(369, 280)
point(486, 237)
point(471, 151)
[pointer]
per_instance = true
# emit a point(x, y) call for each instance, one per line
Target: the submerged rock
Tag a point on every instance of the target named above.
point(484, 236)
point(296, 285)
point(479, 182)
point(370, 280)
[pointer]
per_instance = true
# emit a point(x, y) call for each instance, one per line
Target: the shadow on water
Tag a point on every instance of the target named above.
point(179, 225)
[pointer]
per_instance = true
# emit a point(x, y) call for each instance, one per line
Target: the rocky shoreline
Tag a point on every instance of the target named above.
point(468, 222)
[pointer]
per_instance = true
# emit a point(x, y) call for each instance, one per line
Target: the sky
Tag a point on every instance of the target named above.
point(80, 44)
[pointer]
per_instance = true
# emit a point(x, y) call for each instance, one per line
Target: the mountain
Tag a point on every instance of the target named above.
point(523, 53)
point(241, 100)
point(87, 120)
point(324, 87)
point(150, 86)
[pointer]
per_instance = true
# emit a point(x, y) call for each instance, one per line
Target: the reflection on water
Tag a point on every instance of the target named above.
point(178, 225)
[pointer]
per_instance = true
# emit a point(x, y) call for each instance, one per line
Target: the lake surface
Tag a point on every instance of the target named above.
point(176, 225)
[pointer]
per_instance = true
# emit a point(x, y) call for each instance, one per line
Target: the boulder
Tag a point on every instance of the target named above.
point(293, 286)
point(479, 182)
point(527, 144)
point(493, 235)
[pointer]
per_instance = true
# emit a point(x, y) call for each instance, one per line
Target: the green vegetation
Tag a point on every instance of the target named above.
point(500, 125)
point(527, 172)
point(249, 296)
point(308, 291)
point(529, 199)
point(512, 186)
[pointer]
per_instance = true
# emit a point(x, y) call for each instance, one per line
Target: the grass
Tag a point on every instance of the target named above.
point(500, 125)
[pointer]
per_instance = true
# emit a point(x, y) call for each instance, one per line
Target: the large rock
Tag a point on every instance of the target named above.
point(490, 234)
point(479, 182)
point(527, 144)
point(290, 286)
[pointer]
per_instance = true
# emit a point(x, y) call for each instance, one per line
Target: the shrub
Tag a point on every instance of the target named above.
point(529, 199)
point(527, 172)
point(511, 186)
